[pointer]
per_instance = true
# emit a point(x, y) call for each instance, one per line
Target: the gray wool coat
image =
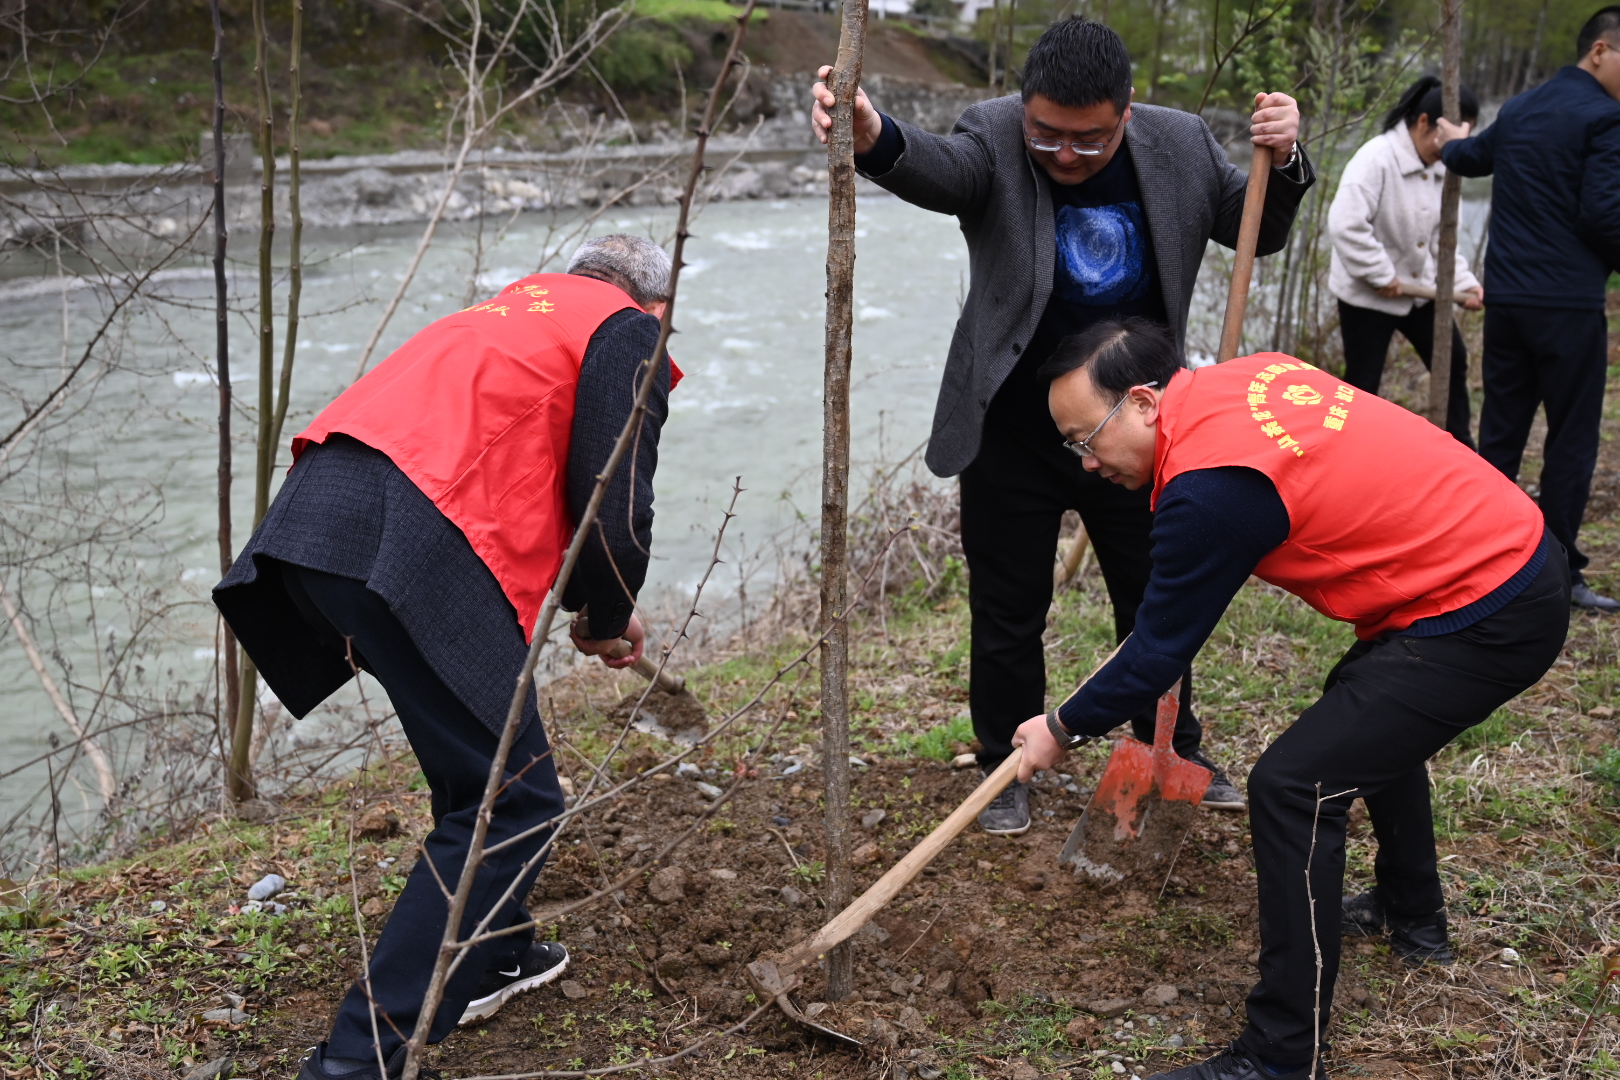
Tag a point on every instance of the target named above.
point(983, 175)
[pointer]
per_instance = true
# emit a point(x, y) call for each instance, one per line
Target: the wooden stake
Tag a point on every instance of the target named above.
point(1445, 254)
point(843, 81)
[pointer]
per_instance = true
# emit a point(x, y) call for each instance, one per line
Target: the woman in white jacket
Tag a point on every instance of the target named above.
point(1385, 226)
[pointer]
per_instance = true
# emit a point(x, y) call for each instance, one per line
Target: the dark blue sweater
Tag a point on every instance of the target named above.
point(1211, 528)
point(1555, 203)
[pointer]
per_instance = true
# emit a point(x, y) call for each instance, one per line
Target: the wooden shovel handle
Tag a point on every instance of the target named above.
point(1237, 296)
point(647, 668)
point(886, 888)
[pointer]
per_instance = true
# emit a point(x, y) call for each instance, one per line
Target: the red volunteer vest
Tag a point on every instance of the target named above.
point(1391, 519)
point(478, 409)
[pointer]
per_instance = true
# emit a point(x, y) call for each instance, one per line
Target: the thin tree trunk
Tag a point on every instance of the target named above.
point(222, 360)
point(1445, 254)
point(843, 82)
point(295, 256)
point(995, 35)
point(241, 778)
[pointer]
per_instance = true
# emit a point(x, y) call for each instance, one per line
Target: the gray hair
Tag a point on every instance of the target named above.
point(633, 263)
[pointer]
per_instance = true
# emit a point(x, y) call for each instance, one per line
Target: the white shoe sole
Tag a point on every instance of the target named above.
point(1009, 832)
point(485, 1007)
point(1238, 807)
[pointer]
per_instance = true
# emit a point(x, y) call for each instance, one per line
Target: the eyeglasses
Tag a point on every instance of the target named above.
point(1082, 447)
point(1084, 149)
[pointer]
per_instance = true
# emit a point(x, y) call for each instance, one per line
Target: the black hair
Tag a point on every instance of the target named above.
point(1077, 63)
point(1604, 23)
point(1423, 98)
point(1120, 353)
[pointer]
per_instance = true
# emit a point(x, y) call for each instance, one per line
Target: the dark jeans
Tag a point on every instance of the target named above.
point(1013, 499)
point(1556, 357)
point(1388, 706)
point(1366, 335)
point(455, 751)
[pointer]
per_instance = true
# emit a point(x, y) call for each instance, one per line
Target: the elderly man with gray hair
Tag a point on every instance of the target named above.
point(416, 537)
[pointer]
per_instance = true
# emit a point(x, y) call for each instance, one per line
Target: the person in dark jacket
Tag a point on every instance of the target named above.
point(417, 534)
point(1077, 206)
point(1554, 152)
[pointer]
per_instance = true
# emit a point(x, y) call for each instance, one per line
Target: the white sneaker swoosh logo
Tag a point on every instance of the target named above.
point(514, 971)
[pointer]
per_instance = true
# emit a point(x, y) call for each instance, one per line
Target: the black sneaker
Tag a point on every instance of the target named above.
point(544, 961)
point(315, 1066)
point(1364, 915)
point(1235, 1064)
point(1009, 814)
point(1221, 794)
point(1421, 941)
point(1582, 596)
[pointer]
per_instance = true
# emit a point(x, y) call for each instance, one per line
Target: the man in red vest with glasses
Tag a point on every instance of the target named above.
point(416, 538)
point(1459, 597)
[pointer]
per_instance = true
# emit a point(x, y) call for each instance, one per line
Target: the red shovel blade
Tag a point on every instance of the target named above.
point(1131, 822)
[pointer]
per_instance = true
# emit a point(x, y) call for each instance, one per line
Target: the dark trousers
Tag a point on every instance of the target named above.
point(455, 751)
point(1388, 706)
point(1535, 356)
point(1366, 335)
point(1013, 499)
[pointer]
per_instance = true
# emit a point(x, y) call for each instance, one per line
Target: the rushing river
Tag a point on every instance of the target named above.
point(749, 323)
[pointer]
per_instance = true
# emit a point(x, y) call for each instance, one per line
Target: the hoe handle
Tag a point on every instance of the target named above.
point(1237, 297)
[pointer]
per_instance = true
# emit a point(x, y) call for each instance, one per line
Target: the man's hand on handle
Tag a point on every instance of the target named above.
point(1449, 131)
point(1041, 751)
point(1275, 123)
point(606, 647)
point(868, 124)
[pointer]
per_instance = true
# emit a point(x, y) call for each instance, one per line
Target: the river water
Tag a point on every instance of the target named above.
point(749, 324)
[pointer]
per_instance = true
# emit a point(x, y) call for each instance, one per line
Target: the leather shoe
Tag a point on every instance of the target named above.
point(1582, 596)
point(1235, 1064)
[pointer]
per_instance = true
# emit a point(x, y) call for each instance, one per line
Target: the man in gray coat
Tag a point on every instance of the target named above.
point(1077, 206)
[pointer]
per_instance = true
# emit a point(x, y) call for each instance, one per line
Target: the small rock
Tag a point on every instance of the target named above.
point(672, 967)
point(1175, 1042)
point(373, 907)
point(255, 811)
point(687, 770)
point(925, 1071)
point(267, 886)
point(1108, 1008)
point(306, 950)
point(943, 983)
point(1023, 1070)
point(1118, 1067)
point(781, 822)
point(1031, 879)
point(159, 905)
point(225, 1016)
point(218, 1069)
point(873, 818)
point(910, 1019)
point(1601, 712)
point(791, 897)
point(668, 885)
point(380, 822)
point(962, 761)
point(571, 989)
point(723, 875)
point(1161, 995)
point(900, 987)
point(864, 855)
point(1510, 956)
point(1080, 1030)
point(567, 786)
point(708, 790)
